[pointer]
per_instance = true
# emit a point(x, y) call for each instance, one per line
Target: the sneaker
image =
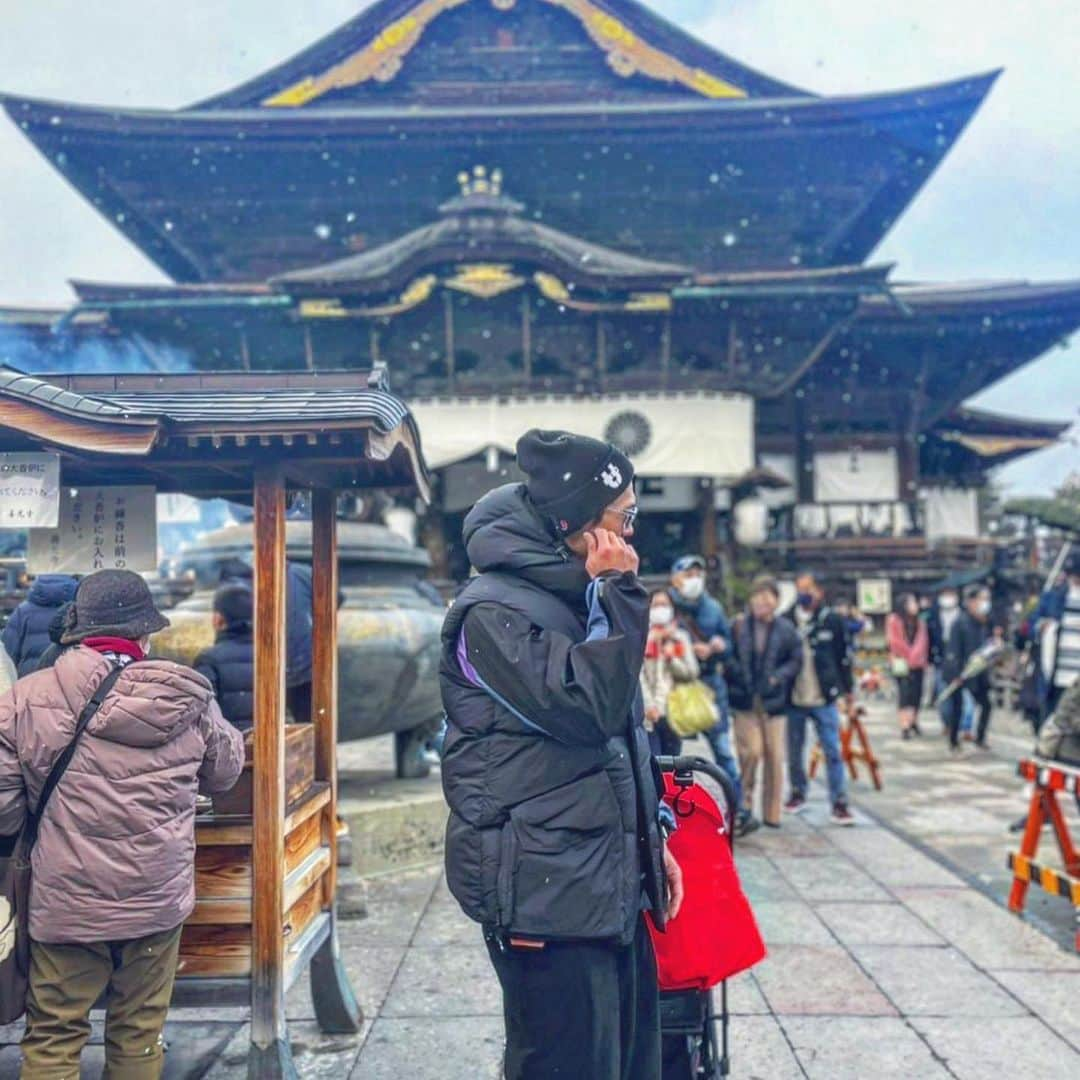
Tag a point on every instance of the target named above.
point(982, 744)
point(954, 749)
point(916, 729)
point(746, 823)
point(841, 815)
point(795, 805)
point(905, 733)
point(771, 824)
point(967, 736)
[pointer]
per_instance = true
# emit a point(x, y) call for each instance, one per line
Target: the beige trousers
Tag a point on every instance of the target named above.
point(760, 736)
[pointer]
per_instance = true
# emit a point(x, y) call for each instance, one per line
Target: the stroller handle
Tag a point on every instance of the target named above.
point(684, 768)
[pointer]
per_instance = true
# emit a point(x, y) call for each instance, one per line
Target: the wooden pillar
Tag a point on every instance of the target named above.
point(710, 544)
point(309, 348)
point(448, 333)
point(526, 335)
point(268, 1030)
point(335, 1004)
point(324, 661)
point(804, 451)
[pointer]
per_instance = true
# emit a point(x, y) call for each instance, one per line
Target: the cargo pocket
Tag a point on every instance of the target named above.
point(561, 863)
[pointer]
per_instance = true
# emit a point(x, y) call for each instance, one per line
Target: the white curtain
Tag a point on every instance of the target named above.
point(854, 476)
point(675, 434)
point(951, 514)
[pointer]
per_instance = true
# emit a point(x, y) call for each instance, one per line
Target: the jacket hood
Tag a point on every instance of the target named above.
point(504, 532)
point(152, 702)
point(52, 590)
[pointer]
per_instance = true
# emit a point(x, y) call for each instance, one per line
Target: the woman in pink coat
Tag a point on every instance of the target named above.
point(114, 863)
point(909, 653)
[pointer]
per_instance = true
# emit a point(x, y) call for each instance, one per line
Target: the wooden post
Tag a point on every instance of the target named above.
point(270, 1054)
point(335, 1004)
point(324, 656)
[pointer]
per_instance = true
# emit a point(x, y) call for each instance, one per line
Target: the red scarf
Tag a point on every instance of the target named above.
point(119, 645)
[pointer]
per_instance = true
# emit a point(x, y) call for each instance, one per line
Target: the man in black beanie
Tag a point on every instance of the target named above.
point(555, 838)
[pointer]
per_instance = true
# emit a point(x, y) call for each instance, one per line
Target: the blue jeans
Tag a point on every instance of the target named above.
point(827, 723)
point(967, 721)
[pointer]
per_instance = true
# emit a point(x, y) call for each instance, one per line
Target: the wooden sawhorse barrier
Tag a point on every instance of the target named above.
point(852, 729)
point(1049, 779)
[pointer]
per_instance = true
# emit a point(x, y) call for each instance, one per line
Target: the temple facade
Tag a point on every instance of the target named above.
point(570, 212)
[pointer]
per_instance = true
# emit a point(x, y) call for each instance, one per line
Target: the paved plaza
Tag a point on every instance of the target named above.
point(889, 954)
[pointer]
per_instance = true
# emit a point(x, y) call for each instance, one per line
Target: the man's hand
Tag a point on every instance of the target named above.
point(652, 714)
point(702, 650)
point(717, 644)
point(607, 553)
point(675, 883)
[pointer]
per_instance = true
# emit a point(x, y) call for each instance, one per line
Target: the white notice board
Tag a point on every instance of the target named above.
point(101, 528)
point(874, 596)
point(29, 491)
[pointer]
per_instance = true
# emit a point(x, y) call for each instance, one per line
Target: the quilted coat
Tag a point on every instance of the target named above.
point(115, 857)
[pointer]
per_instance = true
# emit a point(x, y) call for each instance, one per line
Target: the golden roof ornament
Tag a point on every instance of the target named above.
point(480, 182)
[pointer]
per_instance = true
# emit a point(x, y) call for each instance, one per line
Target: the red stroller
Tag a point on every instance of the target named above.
point(715, 934)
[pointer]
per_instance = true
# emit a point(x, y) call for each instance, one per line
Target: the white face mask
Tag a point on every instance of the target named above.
point(692, 588)
point(983, 607)
point(661, 615)
point(947, 603)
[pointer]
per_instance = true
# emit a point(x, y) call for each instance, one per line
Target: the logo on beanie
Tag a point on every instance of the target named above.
point(611, 476)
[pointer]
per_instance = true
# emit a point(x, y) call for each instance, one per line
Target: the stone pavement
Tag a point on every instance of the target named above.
point(884, 962)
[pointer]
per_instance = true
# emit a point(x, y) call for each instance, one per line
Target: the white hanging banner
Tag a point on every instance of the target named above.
point(951, 514)
point(29, 491)
point(697, 434)
point(854, 476)
point(101, 528)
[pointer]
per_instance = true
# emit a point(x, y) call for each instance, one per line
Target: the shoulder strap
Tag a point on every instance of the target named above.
point(33, 818)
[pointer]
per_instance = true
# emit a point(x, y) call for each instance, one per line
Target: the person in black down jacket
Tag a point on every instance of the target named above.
point(554, 839)
point(229, 664)
point(766, 658)
point(968, 634)
point(824, 679)
point(26, 635)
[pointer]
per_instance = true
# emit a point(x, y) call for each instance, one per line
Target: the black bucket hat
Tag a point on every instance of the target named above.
point(113, 603)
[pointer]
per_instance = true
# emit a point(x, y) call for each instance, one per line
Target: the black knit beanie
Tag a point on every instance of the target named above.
point(572, 478)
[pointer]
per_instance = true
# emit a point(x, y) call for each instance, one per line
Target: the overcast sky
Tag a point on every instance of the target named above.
point(1006, 203)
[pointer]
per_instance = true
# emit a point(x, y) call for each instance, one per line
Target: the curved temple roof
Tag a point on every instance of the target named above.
point(617, 127)
point(361, 61)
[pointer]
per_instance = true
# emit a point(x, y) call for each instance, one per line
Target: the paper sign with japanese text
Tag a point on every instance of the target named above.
point(29, 491)
point(101, 528)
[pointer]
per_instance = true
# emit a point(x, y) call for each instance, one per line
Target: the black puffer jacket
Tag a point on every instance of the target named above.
point(769, 676)
point(26, 635)
point(826, 634)
point(229, 665)
point(553, 802)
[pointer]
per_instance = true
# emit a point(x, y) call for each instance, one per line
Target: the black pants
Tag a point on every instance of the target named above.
point(580, 1011)
point(298, 698)
point(662, 740)
point(980, 691)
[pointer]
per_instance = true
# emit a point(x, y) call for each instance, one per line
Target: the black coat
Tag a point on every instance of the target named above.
point(936, 632)
point(966, 637)
point(827, 636)
point(553, 828)
point(229, 664)
point(26, 635)
point(770, 676)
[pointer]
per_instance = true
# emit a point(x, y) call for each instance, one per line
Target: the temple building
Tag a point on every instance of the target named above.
point(571, 213)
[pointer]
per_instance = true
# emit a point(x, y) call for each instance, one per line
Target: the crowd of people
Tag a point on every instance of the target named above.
point(777, 671)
